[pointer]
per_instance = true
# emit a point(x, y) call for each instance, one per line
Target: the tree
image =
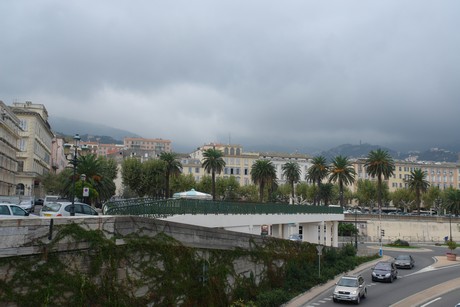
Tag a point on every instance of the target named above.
point(452, 200)
point(213, 162)
point(433, 198)
point(418, 184)
point(381, 165)
point(341, 171)
point(326, 192)
point(131, 174)
point(228, 188)
point(153, 178)
point(316, 173)
point(100, 173)
point(173, 167)
point(291, 170)
point(403, 199)
point(263, 173)
point(183, 182)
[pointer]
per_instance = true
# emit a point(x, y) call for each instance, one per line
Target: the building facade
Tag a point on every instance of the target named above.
point(151, 147)
point(438, 174)
point(34, 148)
point(9, 138)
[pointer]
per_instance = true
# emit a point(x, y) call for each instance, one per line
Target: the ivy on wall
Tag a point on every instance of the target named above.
point(162, 272)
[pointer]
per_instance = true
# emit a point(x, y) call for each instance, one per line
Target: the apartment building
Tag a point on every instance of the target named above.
point(279, 159)
point(237, 162)
point(439, 174)
point(9, 138)
point(34, 147)
point(58, 160)
point(153, 146)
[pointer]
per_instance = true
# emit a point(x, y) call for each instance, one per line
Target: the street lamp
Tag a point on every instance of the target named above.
point(72, 157)
point(356, 230)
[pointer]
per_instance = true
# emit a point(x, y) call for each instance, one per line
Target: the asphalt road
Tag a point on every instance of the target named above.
point(423, 281)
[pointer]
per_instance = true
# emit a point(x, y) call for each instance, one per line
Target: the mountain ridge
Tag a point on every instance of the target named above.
point(108, 135)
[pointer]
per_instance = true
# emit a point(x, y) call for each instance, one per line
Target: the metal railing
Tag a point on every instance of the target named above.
point(162, 208)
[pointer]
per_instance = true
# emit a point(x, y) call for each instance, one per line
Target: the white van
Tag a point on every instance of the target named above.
point(50, 199)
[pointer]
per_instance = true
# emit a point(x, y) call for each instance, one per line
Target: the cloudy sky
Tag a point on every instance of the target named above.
point(294, 74)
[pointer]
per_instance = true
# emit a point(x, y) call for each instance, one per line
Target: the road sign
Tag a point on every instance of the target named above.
point(85, 192)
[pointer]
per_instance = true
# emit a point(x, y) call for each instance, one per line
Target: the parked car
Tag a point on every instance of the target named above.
point(384, 271)
point(50, 199)
point(295, 237)
point(63, 209)
point(350, 288)
point(12, 211)
point(27, 204)
point(404, 261)
point(39, 202)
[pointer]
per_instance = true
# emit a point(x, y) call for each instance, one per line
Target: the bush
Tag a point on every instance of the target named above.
point(273, 298)
point(451, 245)
point(400, 242)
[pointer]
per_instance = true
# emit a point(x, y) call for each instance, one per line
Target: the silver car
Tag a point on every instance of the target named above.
point(350, 288)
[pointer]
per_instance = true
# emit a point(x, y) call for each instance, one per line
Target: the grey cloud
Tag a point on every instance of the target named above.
point(264, 72)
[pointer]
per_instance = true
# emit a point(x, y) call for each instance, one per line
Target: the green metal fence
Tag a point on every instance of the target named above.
point(169, 207)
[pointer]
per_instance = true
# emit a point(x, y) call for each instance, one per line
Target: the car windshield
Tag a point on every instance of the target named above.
point(53, 207)
point(403, 257)
point(348, 282)
point(382, 266)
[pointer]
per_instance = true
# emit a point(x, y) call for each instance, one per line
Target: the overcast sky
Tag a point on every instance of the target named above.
point(300, 74)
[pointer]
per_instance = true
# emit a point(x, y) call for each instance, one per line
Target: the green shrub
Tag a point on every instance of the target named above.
point(400, 242)
point(273, 298)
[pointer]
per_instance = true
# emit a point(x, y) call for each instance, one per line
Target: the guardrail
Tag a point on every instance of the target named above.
point(168, 207)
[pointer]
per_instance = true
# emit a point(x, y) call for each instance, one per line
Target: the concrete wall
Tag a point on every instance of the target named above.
point(409, 228)
point(28, 235)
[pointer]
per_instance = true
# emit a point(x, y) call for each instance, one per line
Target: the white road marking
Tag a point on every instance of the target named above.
point(432, 301)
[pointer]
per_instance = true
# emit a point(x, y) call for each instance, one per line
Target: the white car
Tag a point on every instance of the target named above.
point(63, 209)
point(12, 211)
point(27, 204)
point(350, 288)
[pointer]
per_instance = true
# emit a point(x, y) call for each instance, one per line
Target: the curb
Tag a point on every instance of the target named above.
point(317, 290)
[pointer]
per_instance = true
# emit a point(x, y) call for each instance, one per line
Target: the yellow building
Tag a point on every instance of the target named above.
point(34, 147)
point(438, 174)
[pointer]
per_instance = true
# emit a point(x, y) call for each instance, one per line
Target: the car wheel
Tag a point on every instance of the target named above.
point(391, 278)
point(334, 300)
point(365, 293)
point(358, 300)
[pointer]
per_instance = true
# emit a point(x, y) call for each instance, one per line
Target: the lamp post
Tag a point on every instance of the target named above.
point(72, 157)
point(83, 179)
point(356, 230)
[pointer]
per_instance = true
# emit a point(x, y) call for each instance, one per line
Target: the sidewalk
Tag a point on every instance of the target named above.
point(441, 261)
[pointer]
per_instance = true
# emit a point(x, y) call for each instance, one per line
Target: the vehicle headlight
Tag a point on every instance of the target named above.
point(373, 274)
point(354, 292)
point(387, 275)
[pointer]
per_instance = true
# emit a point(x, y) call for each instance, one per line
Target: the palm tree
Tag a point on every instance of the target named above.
point(379, 164)
point(326, 192)
point(213, 162)
point(173, 167)
point(291, 170)
point(452, 201)
point(342, 172)
point(316, 173)
point(99, 173)
point(263, 173)
point(418, 184)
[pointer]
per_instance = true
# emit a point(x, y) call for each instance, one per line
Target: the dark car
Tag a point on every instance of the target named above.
point(384, 271)
point(404, 262)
